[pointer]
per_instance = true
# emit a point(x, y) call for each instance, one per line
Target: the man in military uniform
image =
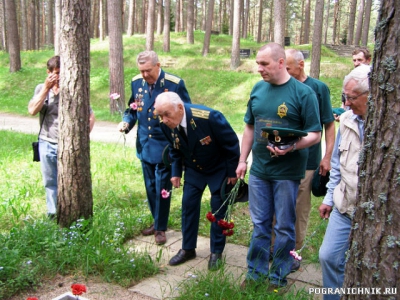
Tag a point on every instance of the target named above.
point(151, 142)
point(281, 103)
point(203, 141)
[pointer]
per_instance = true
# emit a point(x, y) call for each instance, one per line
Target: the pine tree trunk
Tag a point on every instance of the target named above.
point(207, 36)
point(307, 22)
point(335, 21)
point(57, 10)
point(352, 21)
point(327, 22)
point(360, 20)
point(3, 39)
point(167, 26)
point(367, 17)
point(101, 21)
point(317, 39)
point(374, 241)
point(203, 14)
point(235, 54)
point(131, 18)
point(116, 61)
point(260, 13)
point(24, 26)
point(160, 17)
point(50, 25)
point(246, 19)
point(279, 24)
point(75, 199)
point(190, 22)
point(150, 25)
point(13, 36)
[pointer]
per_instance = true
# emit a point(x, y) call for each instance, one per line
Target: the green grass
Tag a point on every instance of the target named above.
point(33, 248)
point(209, 80)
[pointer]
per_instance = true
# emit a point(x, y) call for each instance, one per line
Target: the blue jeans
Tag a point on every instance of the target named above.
point(266, 198)
point(48, 163)
point(333, 250)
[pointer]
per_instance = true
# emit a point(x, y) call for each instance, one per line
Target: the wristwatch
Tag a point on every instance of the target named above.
point(294, 148)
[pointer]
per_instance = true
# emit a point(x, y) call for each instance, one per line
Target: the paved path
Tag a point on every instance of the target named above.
point(102, 131)
point(166, 283)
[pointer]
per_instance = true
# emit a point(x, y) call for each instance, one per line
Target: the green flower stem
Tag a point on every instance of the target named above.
point(312, 234)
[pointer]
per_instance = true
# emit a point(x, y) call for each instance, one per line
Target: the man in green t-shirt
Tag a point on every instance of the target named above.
point(278, 101)
point(295, 67)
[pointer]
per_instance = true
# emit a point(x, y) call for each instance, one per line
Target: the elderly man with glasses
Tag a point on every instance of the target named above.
point(339, 202)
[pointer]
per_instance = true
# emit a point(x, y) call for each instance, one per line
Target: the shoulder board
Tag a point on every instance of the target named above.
point(200, 113)
point(138, 76)
point(173, 78)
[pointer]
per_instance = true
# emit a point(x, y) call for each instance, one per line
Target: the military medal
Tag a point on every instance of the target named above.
point(193, 124)
point(176, 140)
point(205, 141)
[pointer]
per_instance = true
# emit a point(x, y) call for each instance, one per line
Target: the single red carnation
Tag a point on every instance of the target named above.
point(231, 225)
point(210, 217)
point(32, 298)
point(78, 289)
point(228, 232)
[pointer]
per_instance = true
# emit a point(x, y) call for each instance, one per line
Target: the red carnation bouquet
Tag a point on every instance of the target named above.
point(226, 223)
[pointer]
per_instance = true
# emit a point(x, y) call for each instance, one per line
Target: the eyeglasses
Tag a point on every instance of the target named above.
point(344, 96)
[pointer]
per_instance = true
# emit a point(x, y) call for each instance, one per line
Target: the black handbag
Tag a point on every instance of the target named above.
point(35, 146)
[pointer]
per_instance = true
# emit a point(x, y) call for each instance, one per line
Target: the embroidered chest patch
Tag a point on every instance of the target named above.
point(282, 110)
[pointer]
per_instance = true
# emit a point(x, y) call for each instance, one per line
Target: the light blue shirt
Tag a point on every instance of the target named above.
point(335, 177)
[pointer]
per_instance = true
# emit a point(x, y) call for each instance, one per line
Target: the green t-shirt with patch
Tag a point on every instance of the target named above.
point(326, 115)
point(290, 105)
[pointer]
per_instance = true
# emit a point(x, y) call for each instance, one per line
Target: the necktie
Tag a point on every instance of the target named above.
point(151, 88)
point(182, 132)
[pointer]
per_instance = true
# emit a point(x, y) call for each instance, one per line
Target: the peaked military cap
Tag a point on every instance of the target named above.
point(165, 157)
point(242, 194)
point(338, 111)
point(283, 138)
point(319, 182)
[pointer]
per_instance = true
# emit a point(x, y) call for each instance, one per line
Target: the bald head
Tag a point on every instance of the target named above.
point(170, 109)
point(271, 60)
point(295, 64)
point(276, 50)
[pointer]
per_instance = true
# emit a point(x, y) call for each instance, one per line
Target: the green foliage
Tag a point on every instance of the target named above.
point(209, 79)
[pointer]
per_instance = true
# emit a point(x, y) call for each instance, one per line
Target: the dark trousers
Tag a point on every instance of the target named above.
point(156, 178)
point(191, 204)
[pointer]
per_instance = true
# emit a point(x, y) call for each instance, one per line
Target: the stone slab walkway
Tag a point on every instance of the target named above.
point(166, 284)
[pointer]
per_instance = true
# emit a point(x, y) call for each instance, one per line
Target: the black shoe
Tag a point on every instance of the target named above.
point(295, 266)
point(215, 261)
point(182, 256)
